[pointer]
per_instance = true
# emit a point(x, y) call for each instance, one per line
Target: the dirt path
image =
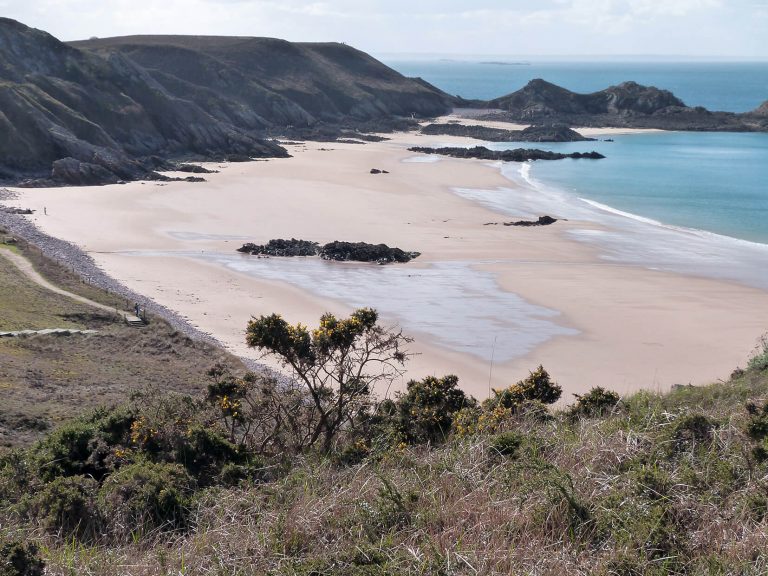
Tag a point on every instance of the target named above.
point(26, 268)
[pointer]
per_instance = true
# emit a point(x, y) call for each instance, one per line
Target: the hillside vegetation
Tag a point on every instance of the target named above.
point(259, 477)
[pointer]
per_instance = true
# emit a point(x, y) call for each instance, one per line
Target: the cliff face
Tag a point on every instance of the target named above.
point(278, 82)
point(105, 110)
point(626, 105)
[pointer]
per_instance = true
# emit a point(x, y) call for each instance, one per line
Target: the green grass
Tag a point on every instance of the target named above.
point(27, 306)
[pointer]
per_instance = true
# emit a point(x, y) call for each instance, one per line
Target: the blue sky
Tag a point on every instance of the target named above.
point(614, 28)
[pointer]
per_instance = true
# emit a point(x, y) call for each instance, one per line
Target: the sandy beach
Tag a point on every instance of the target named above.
point(505, 299)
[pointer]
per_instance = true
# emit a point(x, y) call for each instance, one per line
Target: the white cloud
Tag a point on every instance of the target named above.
point(448, 26)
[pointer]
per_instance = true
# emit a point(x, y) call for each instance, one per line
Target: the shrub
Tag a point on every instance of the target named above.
point(20, 559)
point(759, 360)
point(339, 364)
point(67, 506)
point(538, 386)
point(595, 403)
point(506, 443)
point(757, 427)
point(204, 453)
point(425, 411)
point(83, 446)
point(146, 495)
point(691, 430)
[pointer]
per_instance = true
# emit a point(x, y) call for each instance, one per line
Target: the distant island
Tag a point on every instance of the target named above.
point(626, 105)
point(502, 63)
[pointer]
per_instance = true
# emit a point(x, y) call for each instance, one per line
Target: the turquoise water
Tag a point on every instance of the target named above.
point(729, 86)
point(711, 181)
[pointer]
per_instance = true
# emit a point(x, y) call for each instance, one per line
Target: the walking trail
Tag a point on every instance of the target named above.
point(26, 268)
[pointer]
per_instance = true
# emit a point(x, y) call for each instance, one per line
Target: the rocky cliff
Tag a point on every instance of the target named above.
point(117, 109)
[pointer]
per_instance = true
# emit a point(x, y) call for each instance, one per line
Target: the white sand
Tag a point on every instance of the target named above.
point(636, 328)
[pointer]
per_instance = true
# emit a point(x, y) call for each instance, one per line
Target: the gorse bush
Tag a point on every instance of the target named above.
point(595, 403)
point(425, 412)
point(82, 447)
point(144, 496)
point(759, 360)
point(339, 363)
point(67, 506)
point(20, 559)
point(506, 444)
point(537, 387)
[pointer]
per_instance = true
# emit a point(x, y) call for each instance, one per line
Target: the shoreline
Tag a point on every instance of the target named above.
point(323, 193)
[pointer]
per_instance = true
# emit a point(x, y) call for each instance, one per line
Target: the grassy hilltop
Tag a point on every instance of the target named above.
point(214, 471)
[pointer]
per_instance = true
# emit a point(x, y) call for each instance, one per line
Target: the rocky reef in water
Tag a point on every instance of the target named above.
point(515, 155)
point(536, 133)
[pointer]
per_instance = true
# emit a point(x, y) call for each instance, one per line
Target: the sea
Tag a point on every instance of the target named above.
point(692, 202)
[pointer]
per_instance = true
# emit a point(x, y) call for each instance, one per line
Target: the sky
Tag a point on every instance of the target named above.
point(732, 29)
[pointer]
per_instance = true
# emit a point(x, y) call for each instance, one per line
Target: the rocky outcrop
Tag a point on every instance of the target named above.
point(281, 247)
point(364, 252)
point(761, 111)
point(339, 251)
point(77, 173)
point(194, 169)
point(516, 155)
point(536, 133)
point(541, 221)
point(626, 105)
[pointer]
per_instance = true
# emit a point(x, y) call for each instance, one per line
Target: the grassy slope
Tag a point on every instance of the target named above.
point(47, 379)
point(638, 492)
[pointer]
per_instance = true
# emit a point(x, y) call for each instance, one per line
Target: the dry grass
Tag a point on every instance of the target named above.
point(628, 494)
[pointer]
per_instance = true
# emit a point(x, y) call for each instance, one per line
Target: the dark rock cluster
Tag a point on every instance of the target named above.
point(364, 252)
point(536, 133)
point(339, 251)
point(194, 169)
point(541, 221)
point(280, 247)
point(516, 155)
